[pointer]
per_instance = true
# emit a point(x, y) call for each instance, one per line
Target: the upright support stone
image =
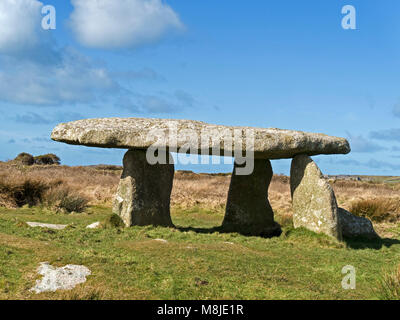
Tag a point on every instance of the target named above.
point(143, 195)
point(313, 199)
point(248, 210)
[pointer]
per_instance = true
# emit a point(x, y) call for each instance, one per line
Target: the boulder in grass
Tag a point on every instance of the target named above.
point(353, 226)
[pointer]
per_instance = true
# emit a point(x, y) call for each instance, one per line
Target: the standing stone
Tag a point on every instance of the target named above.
point(313, 199)
point(143, 194)
point(248, 210)
point(354, 226)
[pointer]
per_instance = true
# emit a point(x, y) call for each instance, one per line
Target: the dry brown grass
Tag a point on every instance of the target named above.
point(390, 286)
point(377, 201)
point(98, 184)
point(377, 209)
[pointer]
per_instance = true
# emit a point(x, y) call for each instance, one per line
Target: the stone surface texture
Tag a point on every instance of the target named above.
point(143, 194)
point(313, 199)
point(354, 226)
point(141, 133)
point(248, 210)
point(64, 278)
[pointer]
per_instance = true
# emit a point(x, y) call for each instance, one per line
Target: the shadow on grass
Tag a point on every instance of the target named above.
point(353, 243)
point(200, 230)
point(222, 230)
point(363, 243)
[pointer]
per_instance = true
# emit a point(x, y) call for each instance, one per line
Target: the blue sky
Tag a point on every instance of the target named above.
point(286, 64)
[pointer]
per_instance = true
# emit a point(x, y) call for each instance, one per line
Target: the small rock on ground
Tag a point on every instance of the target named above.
point(161, 240)
point(94, 225)
point(64, 278)
point(47, 225)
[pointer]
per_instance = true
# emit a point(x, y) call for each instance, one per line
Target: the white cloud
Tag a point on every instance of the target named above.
point(73, 80)
point(35, 71)
point(123, 23)
point(20, 22)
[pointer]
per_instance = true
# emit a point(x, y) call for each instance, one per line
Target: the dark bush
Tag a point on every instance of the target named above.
point(49, 158)
point(25, 158)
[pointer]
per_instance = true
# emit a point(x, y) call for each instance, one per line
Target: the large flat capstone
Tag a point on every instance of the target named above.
point(196, 137)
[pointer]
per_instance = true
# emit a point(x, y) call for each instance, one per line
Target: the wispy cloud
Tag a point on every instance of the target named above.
point(142, 74)
point(396, 109)
point(371, 163)
point(386, 135)
point(35, 118)
point(74, 80)
point(31, 118)
point(363, 145)
point(160, 102)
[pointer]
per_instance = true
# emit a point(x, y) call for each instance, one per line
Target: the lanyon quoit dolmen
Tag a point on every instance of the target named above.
point(143, 195)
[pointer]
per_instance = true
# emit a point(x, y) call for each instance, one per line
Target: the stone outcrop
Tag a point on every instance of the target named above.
point(354, 226)
point(139, 133)
point(313, 199)
point(248, 210)
point(143, 194)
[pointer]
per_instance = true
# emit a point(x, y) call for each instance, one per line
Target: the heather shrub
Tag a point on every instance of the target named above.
point(62, 198)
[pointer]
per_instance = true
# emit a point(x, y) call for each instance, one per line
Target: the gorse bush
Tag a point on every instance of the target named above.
point(62, 198)
point(378, 209)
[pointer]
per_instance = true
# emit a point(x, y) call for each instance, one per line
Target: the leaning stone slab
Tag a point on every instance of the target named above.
point(313, 199)
point(143, 194)
point(248, 210)
point(196, 137)
point(65, 278)
point(47, 225)
point(353, 226)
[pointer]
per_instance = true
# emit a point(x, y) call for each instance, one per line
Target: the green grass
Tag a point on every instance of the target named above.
point(195, 263)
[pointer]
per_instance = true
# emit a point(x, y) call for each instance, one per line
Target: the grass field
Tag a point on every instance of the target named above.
point(196, 262)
